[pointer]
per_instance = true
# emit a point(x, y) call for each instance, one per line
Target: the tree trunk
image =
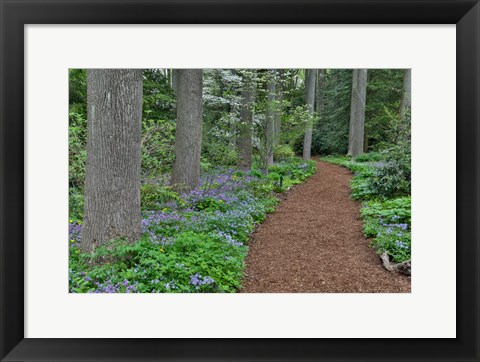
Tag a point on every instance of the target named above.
point(357, 112)
point(112, 182)
point(278, 109)
point(353, 104)
point(365, 142)
point(170, 77)
point(320, 91)
point(175, 80)
point(270, 117)
point(310, 76)
point(320, 94)
point(232, 142)
point(188, 137)
point(246, 119)
point(165, 74)
point(405, 104)
point(232, 127)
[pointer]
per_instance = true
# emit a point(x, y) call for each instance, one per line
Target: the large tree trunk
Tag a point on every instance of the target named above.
point(112, 182)
point(188, 137)
point(175, 80)
point(357, 112)
point(310, 76)
point(270, 117)
point(246, 118)
point(277, 125)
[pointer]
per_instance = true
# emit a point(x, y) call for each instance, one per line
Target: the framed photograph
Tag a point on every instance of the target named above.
point(256, 180)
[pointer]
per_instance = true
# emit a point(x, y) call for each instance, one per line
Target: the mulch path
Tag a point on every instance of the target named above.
point(313, 243)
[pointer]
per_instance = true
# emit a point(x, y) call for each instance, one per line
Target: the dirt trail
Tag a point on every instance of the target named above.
point(313, 243)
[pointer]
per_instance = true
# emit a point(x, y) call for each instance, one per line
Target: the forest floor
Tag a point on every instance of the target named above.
point(313, 243)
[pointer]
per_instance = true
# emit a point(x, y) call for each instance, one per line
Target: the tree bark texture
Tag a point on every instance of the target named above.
point(175, 80)
point(188, 137)
point(169, 77)
point(405, 106)
point(310, 77)
point(320, 94)
point(246, 119)
point(270, 117)
point(407, 94)
point(112, 182)
point(357, 112)
point(232, 142)
point(320, 91)
point(277, 125)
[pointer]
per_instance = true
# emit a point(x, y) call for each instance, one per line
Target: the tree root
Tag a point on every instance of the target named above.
point(402, 268)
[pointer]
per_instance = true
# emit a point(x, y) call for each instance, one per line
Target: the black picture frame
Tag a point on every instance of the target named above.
point(15, 14)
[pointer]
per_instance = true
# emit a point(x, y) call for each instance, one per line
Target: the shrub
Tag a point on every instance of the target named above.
point(393, 176)
point(218, 153)
point(369, 157)
point(153, 196)
point(77, 154)
point(361, 188)
point(210, 204)
point(273, 176)
point(75, 203)
point(158, 139)
point(256, 173)
point(389, 211)
point(283, 153)
point(387, 178)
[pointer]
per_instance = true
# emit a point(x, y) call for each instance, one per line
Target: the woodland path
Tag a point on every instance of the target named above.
point(313, 243)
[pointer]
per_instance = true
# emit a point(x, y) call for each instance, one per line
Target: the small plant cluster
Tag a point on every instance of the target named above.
point(388, 223)
point(382, 181)
point(192, 242)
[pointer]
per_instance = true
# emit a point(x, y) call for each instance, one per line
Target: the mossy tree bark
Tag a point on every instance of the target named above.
point(112, 182)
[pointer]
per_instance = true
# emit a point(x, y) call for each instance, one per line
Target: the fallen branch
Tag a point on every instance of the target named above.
point(402, 268)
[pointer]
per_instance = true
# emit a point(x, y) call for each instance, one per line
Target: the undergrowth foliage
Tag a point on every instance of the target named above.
point(194, 242)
